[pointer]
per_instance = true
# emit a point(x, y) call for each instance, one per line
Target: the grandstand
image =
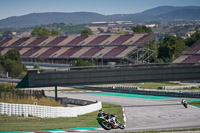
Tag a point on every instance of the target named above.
point(110, 47)
point(192, 55)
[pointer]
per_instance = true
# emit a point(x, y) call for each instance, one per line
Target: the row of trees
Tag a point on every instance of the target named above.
point(40, 32)
point(171, 47)
point(11, 63)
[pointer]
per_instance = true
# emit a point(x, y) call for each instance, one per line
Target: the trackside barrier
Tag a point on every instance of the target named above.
point(114, 88)
point(145, 92)
point(179, 87)
point(47, 111)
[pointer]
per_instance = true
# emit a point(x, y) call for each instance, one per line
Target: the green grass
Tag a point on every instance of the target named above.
point(15, 123)
point(151, 85)
point(195, 103)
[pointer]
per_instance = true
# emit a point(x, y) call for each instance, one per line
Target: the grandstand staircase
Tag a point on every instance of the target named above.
point(141, 55)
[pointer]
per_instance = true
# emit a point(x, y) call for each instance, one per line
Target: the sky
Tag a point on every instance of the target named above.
point(10, 8)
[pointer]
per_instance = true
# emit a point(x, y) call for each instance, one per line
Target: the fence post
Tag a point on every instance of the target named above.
point(56, 95)
point(5, 94)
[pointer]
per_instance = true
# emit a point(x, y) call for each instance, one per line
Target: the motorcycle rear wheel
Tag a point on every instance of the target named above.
point(105, 125)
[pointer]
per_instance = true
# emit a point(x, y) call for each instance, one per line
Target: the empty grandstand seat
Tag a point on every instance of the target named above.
point(192, 59)
point(91, 52)
point(56, 41)
point(77, 40)
point(49, 52)
point(116, 51)
point(98, 40)
point(69, 52)
point(194, 48)
point(5, 41)
point(30, 52)
point(19, 41)
point(143, 39)
point(37, 41)
point(120, 40)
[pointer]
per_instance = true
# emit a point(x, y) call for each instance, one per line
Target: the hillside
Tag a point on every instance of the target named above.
point(51, 17)
point(162, 14)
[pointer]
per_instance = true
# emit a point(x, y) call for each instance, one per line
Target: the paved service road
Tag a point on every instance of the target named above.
point(146, 113)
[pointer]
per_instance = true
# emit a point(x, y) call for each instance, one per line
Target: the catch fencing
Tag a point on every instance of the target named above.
point(47, 111)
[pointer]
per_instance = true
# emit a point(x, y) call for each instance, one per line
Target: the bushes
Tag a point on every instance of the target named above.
point(7, 86)
point(11, 63)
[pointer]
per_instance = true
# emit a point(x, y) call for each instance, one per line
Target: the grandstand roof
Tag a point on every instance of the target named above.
point(76, 46)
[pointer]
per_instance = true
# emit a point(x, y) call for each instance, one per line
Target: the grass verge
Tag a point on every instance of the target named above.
point(16, 123)
point(148, 85)
point(195, 103)
point(151, 85)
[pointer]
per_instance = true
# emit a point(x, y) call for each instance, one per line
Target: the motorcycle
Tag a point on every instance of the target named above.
point(109, 124)
point(185, 105)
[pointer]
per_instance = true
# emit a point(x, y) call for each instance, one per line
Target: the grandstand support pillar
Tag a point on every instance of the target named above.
point(137, 57)
point(148, 52)
point(56, 94)
point(102, 61)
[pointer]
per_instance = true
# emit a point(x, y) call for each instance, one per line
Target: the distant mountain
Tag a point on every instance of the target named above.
point(182, 14)
point(51, 17)
point(162, 14)
point(165, 9)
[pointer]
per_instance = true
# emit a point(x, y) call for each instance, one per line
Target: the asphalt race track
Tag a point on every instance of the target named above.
point(146, 113)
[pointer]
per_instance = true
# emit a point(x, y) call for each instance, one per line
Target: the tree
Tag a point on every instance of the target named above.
point(81, 62)
point(121, 32)
point(13, 68)
point(55, 33)
point(13, 54)
point(86, 32)
point(40, 32)
point(141, 29)
point(2, 59)
point(36, 66)
point(193, 38)
point(180, 46)
point(171, 47)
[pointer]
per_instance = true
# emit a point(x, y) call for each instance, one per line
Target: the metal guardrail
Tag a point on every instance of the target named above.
point(10, 80)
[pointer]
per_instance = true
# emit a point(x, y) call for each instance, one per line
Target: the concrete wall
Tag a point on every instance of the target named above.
point(116, 75)
point(47, 111)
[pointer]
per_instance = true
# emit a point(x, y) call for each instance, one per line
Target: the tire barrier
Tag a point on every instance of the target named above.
point(47, 111)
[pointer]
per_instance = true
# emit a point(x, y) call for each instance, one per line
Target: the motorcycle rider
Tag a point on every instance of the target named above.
point(184, 103)
point(109, 117)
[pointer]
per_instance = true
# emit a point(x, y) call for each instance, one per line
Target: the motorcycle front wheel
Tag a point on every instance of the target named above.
point(105, 125)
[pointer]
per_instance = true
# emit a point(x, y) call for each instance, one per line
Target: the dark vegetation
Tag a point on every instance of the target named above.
point(11, 63)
